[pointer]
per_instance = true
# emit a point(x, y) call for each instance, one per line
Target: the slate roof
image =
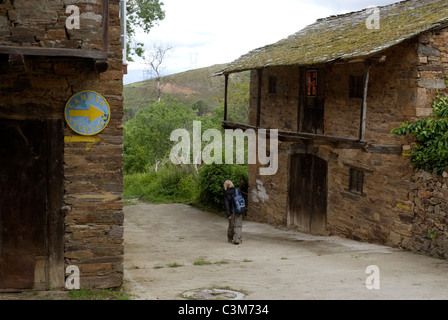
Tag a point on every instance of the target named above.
point(346, 36)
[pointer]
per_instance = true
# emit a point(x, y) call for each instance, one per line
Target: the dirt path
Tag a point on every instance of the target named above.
point(163, 242)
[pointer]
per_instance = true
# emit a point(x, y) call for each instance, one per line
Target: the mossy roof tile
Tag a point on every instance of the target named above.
point(346, 36)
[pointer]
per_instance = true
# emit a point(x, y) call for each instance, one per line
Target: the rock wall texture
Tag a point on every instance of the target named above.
point(42, 23)
point(429, 208)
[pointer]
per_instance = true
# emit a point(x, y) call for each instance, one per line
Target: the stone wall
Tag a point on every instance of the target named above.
point(42, 23)
point(37, 88)
point(432, 52)
point(429, 206)
point(268, 195)
point(342, 113)
point(279, 110)
point(381, 208)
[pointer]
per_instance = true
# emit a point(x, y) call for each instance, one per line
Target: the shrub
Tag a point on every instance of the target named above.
point(431, 151)
point(169, 184)
point(211, 181)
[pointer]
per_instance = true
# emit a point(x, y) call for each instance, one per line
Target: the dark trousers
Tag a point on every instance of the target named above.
point(235, 228)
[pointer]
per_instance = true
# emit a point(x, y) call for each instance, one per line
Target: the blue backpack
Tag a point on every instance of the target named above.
point(239, 205)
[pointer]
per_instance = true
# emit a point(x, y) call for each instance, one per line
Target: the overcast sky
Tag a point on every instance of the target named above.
point(207, 32)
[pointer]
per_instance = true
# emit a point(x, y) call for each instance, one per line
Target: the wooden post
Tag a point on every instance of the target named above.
point(362, 129)
point(55, 272)
point(226, 88)
point(301, 98)
point(106, 40)
point(260, 83)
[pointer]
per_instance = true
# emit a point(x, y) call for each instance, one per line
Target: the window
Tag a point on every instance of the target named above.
point(311, 83)
point(356, 86)
point(356, 180)
point(272, 85)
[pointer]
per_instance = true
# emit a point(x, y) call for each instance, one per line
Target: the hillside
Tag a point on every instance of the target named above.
point(188, 87)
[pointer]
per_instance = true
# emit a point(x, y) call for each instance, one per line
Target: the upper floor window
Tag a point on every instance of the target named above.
point(272, 85)
point(356, 86)
point(311, 83)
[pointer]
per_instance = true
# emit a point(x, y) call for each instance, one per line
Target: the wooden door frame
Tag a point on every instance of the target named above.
point(55, 197)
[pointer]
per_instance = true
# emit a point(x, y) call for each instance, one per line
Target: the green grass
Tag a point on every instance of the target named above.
point(174, 265)
point(98, 294)
point(168, 185)
point(201, 262)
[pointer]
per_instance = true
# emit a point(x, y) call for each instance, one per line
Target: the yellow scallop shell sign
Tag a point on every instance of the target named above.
point(87, 113)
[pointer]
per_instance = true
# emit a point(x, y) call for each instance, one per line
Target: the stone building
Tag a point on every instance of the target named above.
point(61, 109)
point(335, 90)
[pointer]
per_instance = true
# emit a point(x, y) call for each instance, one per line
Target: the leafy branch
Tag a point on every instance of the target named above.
point(141, 15)
point(431, 151)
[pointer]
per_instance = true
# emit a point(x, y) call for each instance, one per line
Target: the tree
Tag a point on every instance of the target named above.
point(147, 136)
point(239, 100)
point(154, 60)
point(141, 14)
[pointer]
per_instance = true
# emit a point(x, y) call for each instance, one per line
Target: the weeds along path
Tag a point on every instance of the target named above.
point(174, 248)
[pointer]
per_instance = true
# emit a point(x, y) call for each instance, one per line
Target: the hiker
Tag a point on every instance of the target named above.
point(235, 219)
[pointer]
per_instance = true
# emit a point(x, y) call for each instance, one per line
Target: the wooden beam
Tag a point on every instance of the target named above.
point(226, 89)
point(106, 38)
point(54, 52)
point(317, 139)
point(101, 66)
point(362, 127)
point(260, 83)
point(313, 136)
point(299, 136)
point(383, 149)
point(55, 200)
point(301, 98)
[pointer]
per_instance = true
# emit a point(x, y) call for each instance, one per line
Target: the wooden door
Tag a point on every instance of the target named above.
point(308, 193)
point(23, 201)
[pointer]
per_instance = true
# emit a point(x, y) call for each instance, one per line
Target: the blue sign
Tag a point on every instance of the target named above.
point(87, 113)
